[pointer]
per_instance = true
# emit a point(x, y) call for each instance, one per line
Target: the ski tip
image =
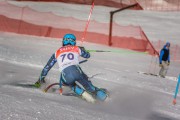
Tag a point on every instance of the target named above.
point(174, 101)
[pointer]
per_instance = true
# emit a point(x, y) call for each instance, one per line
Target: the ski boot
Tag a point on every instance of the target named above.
point(101, 94)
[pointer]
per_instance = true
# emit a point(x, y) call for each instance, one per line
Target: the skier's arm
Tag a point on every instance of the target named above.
point(48, 66)
point(84, 53)
point(161, 56)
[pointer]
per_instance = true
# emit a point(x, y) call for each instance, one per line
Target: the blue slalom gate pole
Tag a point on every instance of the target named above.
point(176, 92)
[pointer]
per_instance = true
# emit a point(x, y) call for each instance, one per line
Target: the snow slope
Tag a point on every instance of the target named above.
point(133, 96)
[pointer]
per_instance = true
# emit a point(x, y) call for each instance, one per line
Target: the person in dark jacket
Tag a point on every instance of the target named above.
point(164, 59)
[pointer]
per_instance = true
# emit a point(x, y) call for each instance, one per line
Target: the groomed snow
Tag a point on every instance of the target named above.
point(133, 96)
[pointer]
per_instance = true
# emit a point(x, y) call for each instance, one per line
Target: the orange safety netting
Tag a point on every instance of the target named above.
point(24, 20)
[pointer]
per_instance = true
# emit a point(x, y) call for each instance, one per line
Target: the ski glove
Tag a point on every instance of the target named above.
point(82, 48)
point(84, 52)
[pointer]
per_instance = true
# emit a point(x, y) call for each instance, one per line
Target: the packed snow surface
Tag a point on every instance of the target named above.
point(133, 96)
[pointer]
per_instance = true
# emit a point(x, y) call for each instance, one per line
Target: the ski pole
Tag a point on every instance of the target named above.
point(87, 24)
point(176, 92)
point(97, 51)
point(117, 51)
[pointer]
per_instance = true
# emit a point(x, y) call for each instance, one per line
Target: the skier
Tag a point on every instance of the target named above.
point(164, 60)
point(71, 74)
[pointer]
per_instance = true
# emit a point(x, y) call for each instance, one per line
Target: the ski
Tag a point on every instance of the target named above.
point(157, 75)
point(145, 73)
point(25, 85)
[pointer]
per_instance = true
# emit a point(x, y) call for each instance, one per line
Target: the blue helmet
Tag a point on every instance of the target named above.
point(69, 39)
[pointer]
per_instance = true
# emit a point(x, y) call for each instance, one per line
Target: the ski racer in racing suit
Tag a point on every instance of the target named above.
point(71, 74)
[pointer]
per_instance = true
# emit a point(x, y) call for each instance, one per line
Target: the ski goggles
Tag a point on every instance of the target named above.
point(69, 40)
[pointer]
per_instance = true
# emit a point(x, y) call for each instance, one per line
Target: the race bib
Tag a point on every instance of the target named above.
point(67, 56)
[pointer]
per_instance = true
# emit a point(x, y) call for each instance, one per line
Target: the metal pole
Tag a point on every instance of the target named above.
point(110, 29)
point(111, 20)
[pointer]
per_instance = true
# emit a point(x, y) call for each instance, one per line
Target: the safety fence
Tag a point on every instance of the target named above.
point(135, 42)
point(24, 20)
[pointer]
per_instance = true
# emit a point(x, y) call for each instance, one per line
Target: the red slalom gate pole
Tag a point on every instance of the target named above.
point(47, 88)
point(88, 21)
